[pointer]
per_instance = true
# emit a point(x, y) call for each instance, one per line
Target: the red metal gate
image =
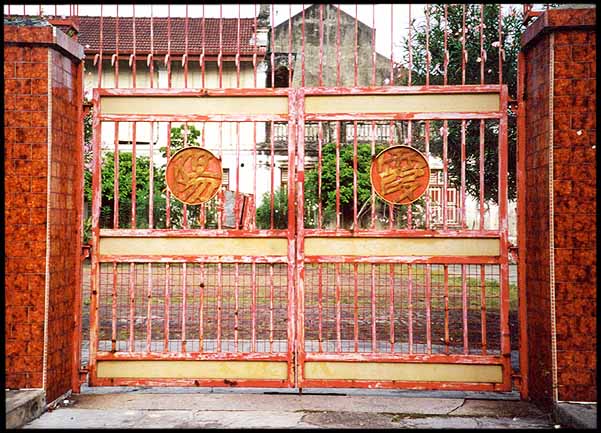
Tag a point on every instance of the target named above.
point(393, 297)
point(300, 270)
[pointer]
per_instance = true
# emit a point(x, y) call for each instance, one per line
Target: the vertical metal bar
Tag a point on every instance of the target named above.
point(464, 308)
point(272, 174)
point(446, 49)
point(428, 278)
point(373, 309)
point(116, 138)
point(373, 44)
point(203, 54)
point(184, 304)
point(445, 147)
point(254, 171)
point(338, 309)
point(100, 49)
point(356, 57)
point(219, 293)
point(410, 48)
point(446, 307)
point(410, 306)
point(167, 192)
point(167, 299)
point(503, 230)
point(463, 179)
point(236, 304)
point(481, 170)
point(521, 225)
point(201, 294)
point(151, 178)
point(427, 151)
point(272, 54)
point(253, 308)
point(427, 44)
point(238, 50)
point(372, 224)
point(271, 307)
point(391, 306)
point(132, 58)
point(319, 147)
point(149, 310)
point(482, 52)
point(303, 47)
point(289, 45)
point(114, 310)
point(463, 50)
point(185, 57)
point(392, 44)
point(132, 305)
point(338, 52)
point(237, 194)
point(356, 306)
point(320, 46)
point(95, 265)
point(296, 243)
point(501, 49)
point(355, 169)
point(337, 174)
point(483, 307)
point(150, 58)
point(320, 306)
point(133, 175)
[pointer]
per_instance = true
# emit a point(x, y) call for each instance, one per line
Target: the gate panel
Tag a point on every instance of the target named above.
point(412, 296)
point(184, 294)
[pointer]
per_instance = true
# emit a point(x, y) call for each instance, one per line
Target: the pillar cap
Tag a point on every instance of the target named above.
point(574, 18)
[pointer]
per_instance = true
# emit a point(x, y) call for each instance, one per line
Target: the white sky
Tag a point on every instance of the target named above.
point(364, 12)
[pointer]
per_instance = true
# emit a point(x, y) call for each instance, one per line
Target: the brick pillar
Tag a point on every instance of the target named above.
point(43, 190)
point(556, 164)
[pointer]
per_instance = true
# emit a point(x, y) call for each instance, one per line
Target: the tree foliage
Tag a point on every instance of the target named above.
point(431, 38)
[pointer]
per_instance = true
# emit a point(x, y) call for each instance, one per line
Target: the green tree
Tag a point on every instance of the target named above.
point(280, 210)
point(512, 28)
point(364, 190)
point(125, 190)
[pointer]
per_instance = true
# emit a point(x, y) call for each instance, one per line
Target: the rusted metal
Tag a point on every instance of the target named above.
point(194, 175)
point(400, 175)
point(294, 307)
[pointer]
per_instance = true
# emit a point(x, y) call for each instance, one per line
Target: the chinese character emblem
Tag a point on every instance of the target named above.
point(193, 175)
point(400, 174)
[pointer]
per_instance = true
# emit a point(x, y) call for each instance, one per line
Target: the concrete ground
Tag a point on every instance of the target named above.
point(260, 408)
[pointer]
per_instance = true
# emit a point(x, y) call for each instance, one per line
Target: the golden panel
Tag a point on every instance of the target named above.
point(414, 372)
point(400, 174)
point(425, 103)
point(172, 369)
point(193, 175)
point(193, 246)
point(189, 105)
point(330, 246)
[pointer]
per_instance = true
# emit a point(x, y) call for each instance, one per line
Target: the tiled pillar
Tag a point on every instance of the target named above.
point(43, 190)
point(557, 219)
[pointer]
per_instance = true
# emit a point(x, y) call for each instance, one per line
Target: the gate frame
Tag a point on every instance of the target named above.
point(296, 234)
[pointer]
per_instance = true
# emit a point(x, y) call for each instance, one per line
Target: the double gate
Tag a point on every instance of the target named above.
point(301, 271)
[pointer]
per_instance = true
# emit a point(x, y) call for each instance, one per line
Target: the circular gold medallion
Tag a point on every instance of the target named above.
point(193, 175)
point(400, 174)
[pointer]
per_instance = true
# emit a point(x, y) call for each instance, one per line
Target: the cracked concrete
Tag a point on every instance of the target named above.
point(258, 410)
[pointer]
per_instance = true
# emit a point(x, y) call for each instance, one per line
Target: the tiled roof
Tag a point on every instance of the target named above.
point(89, 35)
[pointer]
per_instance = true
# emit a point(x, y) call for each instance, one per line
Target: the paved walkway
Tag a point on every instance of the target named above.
point(225, 408)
